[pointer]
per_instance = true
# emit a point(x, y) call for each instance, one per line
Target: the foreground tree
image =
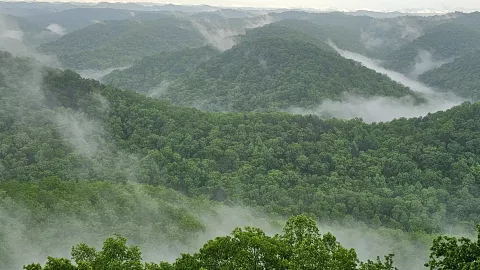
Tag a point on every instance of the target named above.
point(451, 253)
point(301, 246)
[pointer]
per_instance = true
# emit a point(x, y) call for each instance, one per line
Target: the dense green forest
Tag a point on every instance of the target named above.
point(412, 174)
point(344, 37)
point(462, 76)
point(262, 74)
point(148, 74)
point(82, 160)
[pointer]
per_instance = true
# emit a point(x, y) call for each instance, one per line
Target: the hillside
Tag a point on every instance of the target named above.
point(47, 217)
point(75, 144)
point(443, 42)
point(383, 37)
point(157, 72)
point(194, 134)
point(120, 43)
point(462, 76)
point(407, 174)
point(273, 74)
point(305, 30)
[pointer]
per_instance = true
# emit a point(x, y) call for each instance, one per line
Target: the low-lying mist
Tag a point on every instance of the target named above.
point(12, 39)
point(97, 74)
point(425, 62)
point(27, 247)
point(380, 109)
point(224, 36)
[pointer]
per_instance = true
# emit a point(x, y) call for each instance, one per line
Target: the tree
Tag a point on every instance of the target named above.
point(115, 255)
point(451, 253)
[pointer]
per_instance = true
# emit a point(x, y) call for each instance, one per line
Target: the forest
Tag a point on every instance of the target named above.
point(187, 154)
point(250, 77)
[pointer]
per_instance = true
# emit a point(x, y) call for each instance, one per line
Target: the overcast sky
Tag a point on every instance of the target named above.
point(347, 4)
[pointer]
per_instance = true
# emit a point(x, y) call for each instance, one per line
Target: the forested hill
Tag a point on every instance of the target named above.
point(346, 38)
point(444, 42)
point(462, 76)
point(411, 174)
point(153, 74)
point(120, 43)
point(276, 73)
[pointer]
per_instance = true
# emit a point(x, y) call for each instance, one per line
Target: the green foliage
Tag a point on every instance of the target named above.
point(449, 253)
point(115, 255)
point(300, 247)
point(460, 76)
point(274, 73)
point(45, 215)
point(410, 174)
point(445, 42)
point(150, 72)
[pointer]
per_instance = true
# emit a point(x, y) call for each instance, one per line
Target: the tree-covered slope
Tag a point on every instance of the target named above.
point(345, 38)
point(327, 19)
point(120, 43)
point(153, 74)
point(412, 174)
point(275, 73)
point(383, 37)
point(444, 42)
point(43, 217)
point(462, 76)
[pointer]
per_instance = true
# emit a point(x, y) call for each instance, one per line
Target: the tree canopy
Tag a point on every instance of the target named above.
point(264, 74)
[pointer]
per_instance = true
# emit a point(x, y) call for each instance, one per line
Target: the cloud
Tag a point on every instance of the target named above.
point(98, 74)
point(377, 109)
point(425, 62)
point(12, 40)
point(222, 36)
point(159, 90)
point(57, 29)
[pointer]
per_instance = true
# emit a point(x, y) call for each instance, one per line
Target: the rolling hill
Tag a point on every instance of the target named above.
point(274, 74)
point(148, 74)
point(462, 76)
point(70, 148)
point(120, 43)
point(409, 174)
point(444, 42)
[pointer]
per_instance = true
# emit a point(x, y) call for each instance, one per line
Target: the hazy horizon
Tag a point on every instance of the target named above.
point(346, 5)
